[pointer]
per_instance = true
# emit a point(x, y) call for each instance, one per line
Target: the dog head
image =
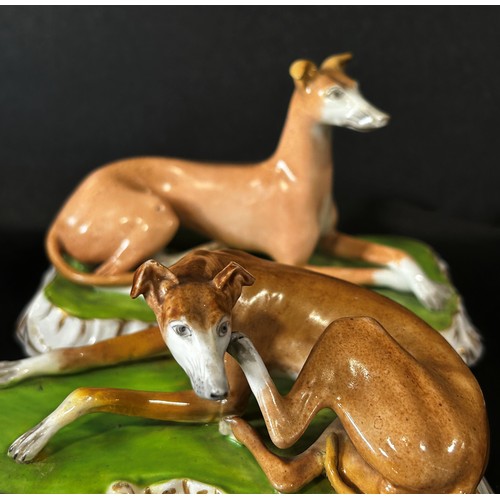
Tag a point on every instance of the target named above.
point(194, 318)
point(329, 96)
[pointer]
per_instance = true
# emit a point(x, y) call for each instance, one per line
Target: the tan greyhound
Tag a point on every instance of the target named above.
point(125, 212)
point(411, 416)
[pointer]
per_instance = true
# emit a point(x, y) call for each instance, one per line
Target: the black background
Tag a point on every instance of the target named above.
point(81, 86)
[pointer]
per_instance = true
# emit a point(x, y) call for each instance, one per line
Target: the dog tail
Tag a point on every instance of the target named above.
point(53, 248)
point(332, 463)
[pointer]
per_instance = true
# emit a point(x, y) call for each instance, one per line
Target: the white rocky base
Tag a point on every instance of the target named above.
point(173, 486)
point(43, 327)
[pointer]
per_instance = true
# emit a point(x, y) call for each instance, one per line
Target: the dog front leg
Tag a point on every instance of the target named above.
point(140, 345)
point(182, 406)
point(286, 418)
point(400, 270)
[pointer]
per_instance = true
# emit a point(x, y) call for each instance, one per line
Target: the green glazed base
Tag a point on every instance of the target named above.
point(96, 450)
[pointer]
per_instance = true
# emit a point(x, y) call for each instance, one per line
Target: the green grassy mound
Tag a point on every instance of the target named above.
point(97, 449)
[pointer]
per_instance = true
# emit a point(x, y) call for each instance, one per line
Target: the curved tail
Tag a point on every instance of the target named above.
point(54, 253)
point(331, 466)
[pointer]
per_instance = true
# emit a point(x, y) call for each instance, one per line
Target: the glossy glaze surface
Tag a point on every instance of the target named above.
point(124, 212)
point(384, 371)
point(102, 448)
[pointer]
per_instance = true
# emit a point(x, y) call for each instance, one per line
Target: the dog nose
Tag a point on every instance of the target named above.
point(383, 119)
point(218, 395)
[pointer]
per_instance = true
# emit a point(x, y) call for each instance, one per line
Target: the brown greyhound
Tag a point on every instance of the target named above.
point(411, 416)
point(125, 212)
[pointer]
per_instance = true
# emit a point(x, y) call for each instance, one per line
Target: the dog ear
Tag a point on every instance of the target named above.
point(303, 71)
point(153, 281)
point(233, 278)
point(336, 62)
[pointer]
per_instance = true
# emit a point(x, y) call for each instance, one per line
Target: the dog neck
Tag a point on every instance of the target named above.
point(305, 145)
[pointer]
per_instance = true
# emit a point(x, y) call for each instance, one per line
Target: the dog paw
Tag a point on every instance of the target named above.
point(26, 447)
point(11, 372)
point(240, 347)
point(464, 337)
point(237, 336)
point(225, 427)
point(431, 294)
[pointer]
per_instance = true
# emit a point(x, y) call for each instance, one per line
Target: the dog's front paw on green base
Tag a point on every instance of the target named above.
point(96, 450)
point(433, 267)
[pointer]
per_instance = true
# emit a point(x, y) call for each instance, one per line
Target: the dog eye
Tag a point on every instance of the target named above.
point(223, 329)
point(181, 330)
point(335, 93)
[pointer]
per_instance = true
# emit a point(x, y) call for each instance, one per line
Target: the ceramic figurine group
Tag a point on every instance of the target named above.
point(410, 415)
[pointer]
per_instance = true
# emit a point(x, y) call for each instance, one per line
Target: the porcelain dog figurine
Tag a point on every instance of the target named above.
point(125, 212)
point(409, 410)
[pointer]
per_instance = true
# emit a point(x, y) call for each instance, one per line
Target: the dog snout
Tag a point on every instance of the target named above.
point(218, 395)
point(382, 119)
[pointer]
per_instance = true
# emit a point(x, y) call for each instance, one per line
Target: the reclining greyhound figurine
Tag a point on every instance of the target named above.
point(411, 416)
point(125, 212)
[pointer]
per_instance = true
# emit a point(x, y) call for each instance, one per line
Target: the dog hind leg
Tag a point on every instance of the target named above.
point(147, 235)
point(287, 475)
